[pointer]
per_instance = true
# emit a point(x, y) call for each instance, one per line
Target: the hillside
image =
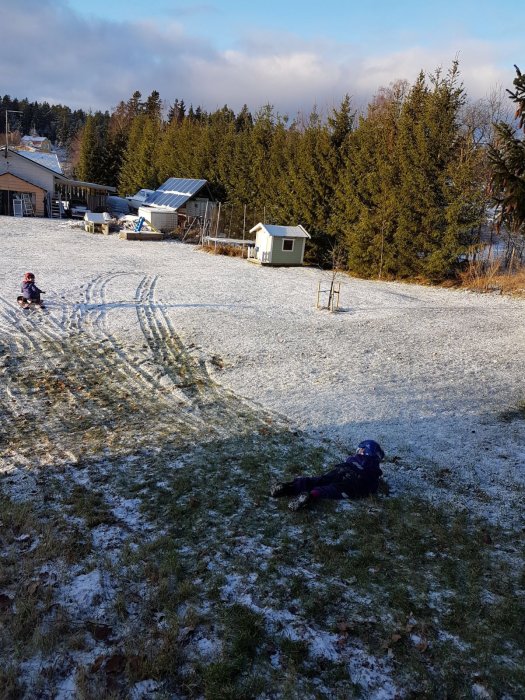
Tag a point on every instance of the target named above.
point(144, 416)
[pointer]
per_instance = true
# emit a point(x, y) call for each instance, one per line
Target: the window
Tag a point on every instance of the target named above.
point(288, 244)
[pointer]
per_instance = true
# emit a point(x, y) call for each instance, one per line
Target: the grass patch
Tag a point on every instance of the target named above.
point(214, 589)
point(89, 505)
point(235, 251)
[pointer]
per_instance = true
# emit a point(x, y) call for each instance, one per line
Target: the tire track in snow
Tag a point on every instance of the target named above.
point(218, 407)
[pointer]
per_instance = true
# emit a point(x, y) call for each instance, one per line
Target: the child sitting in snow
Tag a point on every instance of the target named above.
point(358, 476)
point(30, 292)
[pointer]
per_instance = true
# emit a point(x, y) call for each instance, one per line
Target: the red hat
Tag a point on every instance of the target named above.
point(28, 276)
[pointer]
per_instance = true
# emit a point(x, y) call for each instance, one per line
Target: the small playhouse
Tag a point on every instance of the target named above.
point(278, 245)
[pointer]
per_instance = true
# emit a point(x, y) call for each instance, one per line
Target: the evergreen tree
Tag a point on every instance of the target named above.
point(311, 182)
point(91, 166)
point(261, 171)
point(365, 203)
point(433, 225)
point(412, 191)
point(153, 106)
point(341, 123)
point(507, 161)
point(139, 166)
point(177, 112)
point(135, 106)
point(244, 120)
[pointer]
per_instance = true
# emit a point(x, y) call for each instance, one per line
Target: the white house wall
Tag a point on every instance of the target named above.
point(264, 244)
point(27, 170)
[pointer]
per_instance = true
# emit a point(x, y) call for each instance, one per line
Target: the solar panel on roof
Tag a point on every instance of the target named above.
point(175, 192)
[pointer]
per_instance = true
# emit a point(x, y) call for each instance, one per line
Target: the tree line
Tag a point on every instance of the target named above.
point(58, 123)
point(397, 190)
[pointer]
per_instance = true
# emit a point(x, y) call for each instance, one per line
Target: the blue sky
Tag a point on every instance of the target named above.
point(378, 23)
point(93, 53)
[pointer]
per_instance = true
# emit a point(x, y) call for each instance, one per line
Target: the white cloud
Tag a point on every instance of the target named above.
point(48, 52)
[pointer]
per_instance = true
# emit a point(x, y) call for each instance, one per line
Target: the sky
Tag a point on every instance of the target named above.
point(91, 54)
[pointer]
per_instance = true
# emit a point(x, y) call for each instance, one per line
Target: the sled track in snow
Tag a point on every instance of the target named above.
point(68, 365)
point(90, 317)
point(165, 346)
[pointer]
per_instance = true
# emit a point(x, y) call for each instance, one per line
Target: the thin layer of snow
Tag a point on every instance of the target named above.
point(83, 590)
point(425, 371)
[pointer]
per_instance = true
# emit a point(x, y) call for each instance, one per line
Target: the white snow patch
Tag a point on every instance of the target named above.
point(86, 593)
point(127, 510)
point(144, 690)
point(479, 692)
point(444, 636)
point(66, 689)
point(373, 675)
point(108, 537)
point(207, 648)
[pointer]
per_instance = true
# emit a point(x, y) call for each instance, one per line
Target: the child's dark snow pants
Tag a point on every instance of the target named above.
point(330, 485)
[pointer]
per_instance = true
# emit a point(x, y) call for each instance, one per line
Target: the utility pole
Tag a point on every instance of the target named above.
point(9, 111)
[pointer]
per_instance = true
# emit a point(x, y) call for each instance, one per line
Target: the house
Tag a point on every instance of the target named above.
point(38, 181)
point(177, 204)
point(278, 245)
point(49, 160)
point(38, 143)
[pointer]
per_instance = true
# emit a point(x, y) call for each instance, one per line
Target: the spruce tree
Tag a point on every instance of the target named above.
point(434, 227)
point(311, 181)
point(91, 166)
point(507, 161)
point(261, 171)
point(130, 177)
point(365, 203)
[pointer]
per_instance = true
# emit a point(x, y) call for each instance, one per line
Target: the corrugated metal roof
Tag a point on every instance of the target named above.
point(48, 160)
point(282, 231)
point(174, 192)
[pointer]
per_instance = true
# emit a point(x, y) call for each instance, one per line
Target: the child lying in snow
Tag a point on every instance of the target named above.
point(358, 476)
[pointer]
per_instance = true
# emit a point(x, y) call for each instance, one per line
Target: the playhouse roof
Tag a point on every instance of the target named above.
point(282, 231)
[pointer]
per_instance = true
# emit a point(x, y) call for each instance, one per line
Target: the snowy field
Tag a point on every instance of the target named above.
point(427, 372)
point(144, 415)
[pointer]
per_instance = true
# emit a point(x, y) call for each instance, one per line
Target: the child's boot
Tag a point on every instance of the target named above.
point(280, 489)
point(300, 502)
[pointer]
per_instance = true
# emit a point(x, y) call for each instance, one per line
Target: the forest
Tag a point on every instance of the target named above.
point(399, 189)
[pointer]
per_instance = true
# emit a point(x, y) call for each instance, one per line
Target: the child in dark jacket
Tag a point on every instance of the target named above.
point(30, 292)
point(358, 476)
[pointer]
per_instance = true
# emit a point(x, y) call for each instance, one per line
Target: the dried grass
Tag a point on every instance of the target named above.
point(223, 249)
point(483, 276)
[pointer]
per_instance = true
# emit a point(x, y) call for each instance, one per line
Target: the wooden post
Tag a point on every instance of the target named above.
point(335, 302)
point(217, 227)
point(203, 227)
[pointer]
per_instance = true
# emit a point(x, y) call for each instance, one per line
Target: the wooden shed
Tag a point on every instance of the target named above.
point(278, 245)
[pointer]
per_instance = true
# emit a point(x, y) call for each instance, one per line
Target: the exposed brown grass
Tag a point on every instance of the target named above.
point(481, 276)
point(222, 249)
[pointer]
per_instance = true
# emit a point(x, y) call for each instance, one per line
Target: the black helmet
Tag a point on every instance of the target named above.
point(371, 448)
